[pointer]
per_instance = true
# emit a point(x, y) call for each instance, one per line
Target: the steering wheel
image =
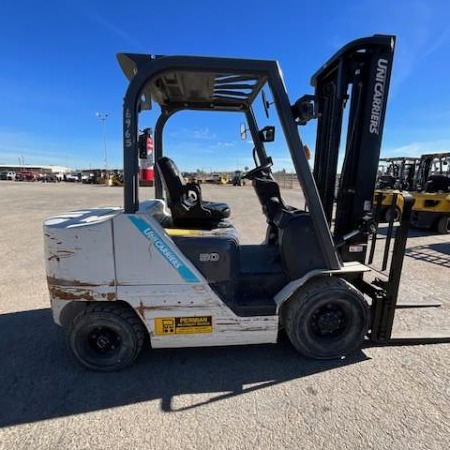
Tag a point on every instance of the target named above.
point(257, 171)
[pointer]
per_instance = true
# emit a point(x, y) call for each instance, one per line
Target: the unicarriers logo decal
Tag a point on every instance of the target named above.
point(163, 249)
point(378, 96)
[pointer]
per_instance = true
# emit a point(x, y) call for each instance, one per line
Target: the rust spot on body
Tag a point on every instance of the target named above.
point(60, 254)
point(223, 323)
point(73, 290)
point(57, 292)
point(141, 310)
point(66, 282)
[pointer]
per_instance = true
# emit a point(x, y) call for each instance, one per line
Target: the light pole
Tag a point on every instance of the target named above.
point(102, 117)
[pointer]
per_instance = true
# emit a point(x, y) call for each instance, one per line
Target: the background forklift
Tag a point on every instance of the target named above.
point(172, 272)
point(397, 173)
point(394, 175)
point(432, 196)
point(427, 179)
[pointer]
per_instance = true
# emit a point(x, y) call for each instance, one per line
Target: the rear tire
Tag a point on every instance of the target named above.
point(327, 318)
point(106, 336)
point(443, 225)
point(388, 213)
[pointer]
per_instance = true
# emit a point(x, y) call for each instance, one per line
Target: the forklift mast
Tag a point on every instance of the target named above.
point(359, 74)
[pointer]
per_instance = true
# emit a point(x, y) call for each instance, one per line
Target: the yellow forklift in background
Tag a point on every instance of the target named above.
point(394, 176)
point(427, 178)
point(432, 196)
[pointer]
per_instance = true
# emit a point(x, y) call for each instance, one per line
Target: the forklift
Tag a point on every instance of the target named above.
point(432, 196)
point(428, 180)
point(394, 175)
point(397, 173)
point(171, 272)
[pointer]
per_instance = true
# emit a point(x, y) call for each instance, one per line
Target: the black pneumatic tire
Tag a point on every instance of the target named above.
point(106, 336)
point(388, 212)
point(443, 226)
point(327, 318)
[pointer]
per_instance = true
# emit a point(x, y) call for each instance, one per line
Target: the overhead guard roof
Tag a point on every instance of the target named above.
point(194, 89)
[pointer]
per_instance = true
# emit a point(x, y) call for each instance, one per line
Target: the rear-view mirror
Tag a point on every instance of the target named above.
point(267, 134)
point(243, 131)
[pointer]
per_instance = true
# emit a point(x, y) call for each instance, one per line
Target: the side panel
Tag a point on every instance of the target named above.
point(172, 303)
point(79, 256)
point(432, 202)
point(146, 255)
point(163, 286)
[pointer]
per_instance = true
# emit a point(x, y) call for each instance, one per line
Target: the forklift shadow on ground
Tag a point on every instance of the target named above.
point(38, 382)
point(412, 232)
point(438, 253)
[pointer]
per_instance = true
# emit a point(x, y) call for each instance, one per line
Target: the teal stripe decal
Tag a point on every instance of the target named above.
point(165, 251)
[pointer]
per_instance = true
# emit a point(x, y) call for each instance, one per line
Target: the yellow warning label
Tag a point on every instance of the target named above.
point(183, 325)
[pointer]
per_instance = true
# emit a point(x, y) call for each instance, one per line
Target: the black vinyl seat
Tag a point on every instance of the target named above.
point(386, 182)
point(185, 200)
point(273, 205)
point(438, 183)
point(268, 192)
point(277, 212)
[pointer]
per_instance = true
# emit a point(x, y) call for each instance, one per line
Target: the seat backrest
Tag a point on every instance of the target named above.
point(268, 192)
point(386, 182)
point(437, 183)
point(172, 180)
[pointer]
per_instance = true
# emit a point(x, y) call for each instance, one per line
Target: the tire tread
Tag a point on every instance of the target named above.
point(122, 311)
point(302, 297)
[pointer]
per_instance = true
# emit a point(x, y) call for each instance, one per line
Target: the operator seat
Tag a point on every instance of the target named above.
point(277, 212)
point(269, 196)
point(185, 200)
point(437, 183)
point(386, 182)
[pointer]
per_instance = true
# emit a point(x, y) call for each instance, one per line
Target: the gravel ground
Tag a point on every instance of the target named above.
point(256, 397)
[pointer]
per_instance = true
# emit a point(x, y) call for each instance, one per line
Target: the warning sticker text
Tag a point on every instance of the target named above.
point(183, 325)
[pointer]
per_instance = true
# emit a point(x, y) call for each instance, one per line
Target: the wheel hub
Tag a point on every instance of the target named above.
point(104, 340)
point(328, 320)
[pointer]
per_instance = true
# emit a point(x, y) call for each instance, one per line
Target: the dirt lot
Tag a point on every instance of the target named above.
point(261, 397)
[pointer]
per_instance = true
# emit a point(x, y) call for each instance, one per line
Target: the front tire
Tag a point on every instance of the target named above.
point(327, 318)
point(443, 225)
point(106, 336)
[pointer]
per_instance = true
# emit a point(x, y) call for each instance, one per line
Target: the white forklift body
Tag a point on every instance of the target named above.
point(137, 262)
point(171, 272)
